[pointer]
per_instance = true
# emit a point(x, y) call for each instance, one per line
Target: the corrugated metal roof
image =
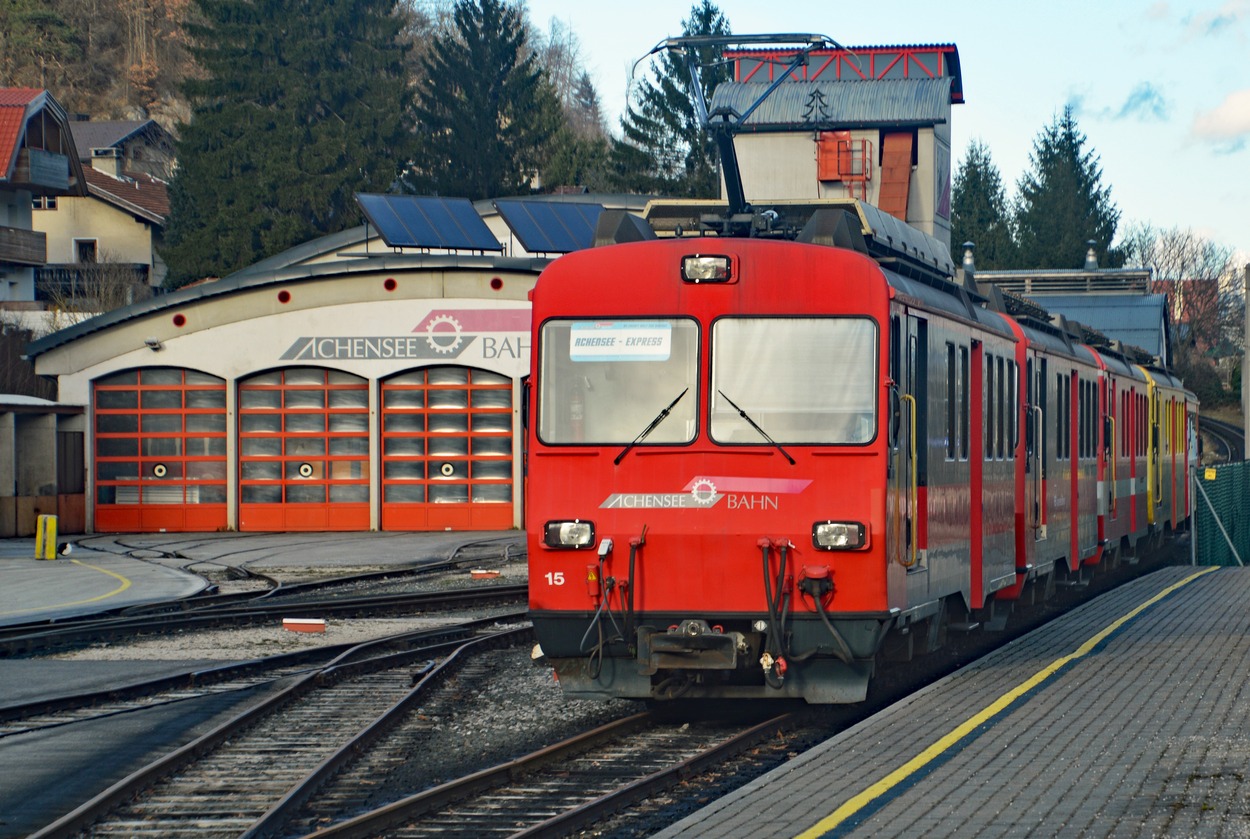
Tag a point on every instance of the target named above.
point(1138, 321)
point(840, 104)
point(104, 134)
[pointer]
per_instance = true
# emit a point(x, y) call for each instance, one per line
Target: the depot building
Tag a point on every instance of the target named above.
point(369, 380)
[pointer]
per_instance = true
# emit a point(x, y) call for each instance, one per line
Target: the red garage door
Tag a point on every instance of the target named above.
point(447, 450)
point(304, 451)
point(160, 451)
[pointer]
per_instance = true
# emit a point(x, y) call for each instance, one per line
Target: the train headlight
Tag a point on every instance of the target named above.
point(569, 534)
point(706, 269)
point(838, 535)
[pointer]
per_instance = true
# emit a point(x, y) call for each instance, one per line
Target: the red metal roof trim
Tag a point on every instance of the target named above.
point(858, 63)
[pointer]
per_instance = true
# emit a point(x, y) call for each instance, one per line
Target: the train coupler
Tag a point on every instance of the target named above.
point(690, 645)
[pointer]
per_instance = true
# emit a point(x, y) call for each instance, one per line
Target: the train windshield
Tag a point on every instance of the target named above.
point(610, 381)
point(799, 380)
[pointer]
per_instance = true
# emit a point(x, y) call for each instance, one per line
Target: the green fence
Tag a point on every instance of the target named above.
point(1222, 532)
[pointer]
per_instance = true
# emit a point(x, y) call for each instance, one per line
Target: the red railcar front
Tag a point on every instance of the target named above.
point(708, 470)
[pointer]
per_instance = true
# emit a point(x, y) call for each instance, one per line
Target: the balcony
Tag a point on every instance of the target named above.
point(39, 170)
point(23, 247)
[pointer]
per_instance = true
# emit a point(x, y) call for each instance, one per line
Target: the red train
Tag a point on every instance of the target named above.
point(757, 463)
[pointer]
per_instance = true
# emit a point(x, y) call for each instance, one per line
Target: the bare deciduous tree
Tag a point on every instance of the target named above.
point(1204, 288)
point(89, 288)
point(1200, 276)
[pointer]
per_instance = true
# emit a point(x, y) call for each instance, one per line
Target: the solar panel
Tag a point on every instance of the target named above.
point(551, 226)
point(419, 221)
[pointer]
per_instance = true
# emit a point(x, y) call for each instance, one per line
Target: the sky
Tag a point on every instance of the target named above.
point(1161, 90)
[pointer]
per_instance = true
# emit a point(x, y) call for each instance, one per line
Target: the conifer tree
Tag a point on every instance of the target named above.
point(1062, 203)
point(664, 149)
point(301, 106)
point(485, 111)
point(979, 211)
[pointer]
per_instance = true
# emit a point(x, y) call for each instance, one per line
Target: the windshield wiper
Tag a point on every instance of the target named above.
point(756, 426)
point(659, 418)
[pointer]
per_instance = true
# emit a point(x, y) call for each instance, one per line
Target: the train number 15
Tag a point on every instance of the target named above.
point(555, 578)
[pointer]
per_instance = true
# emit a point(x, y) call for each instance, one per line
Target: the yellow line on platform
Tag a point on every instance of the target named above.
point(920, 761)
point(125, 584)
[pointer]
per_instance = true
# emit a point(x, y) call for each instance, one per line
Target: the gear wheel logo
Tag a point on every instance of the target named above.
point(704, 492)
point(443, 340)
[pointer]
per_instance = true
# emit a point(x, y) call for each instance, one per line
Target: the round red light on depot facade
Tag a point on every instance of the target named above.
point(496, 283)
point(180, 320)
point(284, 296)
point(390, 284)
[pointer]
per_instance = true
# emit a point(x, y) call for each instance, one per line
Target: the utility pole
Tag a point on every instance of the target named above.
point(1245, 355)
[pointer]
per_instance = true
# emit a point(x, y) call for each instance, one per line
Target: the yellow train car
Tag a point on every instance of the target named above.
point(1171, 450)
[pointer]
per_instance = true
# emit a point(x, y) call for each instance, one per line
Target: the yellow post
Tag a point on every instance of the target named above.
point(45, 537)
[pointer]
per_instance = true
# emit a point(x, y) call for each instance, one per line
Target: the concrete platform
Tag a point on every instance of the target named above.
point(114, 571)
point(84, 582)
point(1130, 716)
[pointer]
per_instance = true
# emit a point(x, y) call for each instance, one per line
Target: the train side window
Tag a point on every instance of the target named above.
point(1126, 432)
point(952, 390)
point(918, 373)
point(1068, 449)
point(989, 407)
point(1082, 427)
point(963, 403)
point(1000, 409)
point(1059, 416)
point(1063, 418)
point(1013, 409)
point(896, 350)
point(1044, 403)
point(1030, 430)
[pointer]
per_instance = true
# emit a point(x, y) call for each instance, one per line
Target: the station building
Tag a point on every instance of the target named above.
point(368, 380)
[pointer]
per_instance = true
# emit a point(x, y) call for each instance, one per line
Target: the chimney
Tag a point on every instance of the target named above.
point(108, 161)
point(1091, 258)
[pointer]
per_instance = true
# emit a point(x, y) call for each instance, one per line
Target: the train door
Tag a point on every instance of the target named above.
point(1154, 462)
point(980, 444)
point(909, 363)
point(1035, 446)
point(1110, 451)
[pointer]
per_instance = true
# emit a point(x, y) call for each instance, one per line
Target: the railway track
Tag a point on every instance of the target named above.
point(1231, 439)
point(63, 710)
point(564, 787)
point(32, 639)
point(225, 781)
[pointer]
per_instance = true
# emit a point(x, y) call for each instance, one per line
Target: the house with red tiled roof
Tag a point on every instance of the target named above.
point(38, 162)
point(108, 235)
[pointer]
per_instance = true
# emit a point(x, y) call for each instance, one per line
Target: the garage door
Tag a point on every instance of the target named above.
point(447, 450)
point(304, 451)
point(160, 451)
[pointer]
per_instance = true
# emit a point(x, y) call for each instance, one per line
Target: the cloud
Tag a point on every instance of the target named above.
point(1145, 101)
point(1229, 121)
point(1214, 23)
